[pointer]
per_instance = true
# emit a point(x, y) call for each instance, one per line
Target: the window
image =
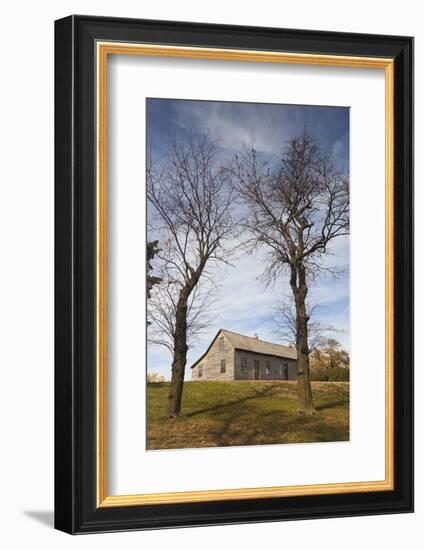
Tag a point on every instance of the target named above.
point(221, 344)
point(280, 370)
point(267, 367)
point(200, 371)
point(222, 365)
point(243, 364)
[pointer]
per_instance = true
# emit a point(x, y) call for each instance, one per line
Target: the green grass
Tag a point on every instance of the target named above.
point(217, 414)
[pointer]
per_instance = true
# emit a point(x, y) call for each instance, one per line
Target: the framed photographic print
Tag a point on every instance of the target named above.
point(233, 271)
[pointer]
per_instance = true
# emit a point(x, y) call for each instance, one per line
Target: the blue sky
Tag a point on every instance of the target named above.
point(244, 304)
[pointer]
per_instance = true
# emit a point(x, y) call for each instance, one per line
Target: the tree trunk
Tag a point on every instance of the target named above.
point(303, 371)
point(179, 357)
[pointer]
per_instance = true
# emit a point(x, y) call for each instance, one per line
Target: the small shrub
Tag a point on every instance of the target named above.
point(155, 378)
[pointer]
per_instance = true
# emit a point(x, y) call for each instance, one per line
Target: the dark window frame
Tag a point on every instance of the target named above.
point(243, 364)
point(267, 367)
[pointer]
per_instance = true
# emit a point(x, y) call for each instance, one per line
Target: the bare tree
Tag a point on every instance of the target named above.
point(284, 319)
point(191, 196)
point(162, 310)
point(296, 210)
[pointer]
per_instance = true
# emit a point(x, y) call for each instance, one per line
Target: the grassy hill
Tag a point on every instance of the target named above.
point(217, 414)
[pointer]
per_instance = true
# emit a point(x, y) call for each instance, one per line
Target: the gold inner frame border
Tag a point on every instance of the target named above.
point(103, 50)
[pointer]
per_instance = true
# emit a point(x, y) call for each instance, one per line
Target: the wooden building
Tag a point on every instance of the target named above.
point(232, 356)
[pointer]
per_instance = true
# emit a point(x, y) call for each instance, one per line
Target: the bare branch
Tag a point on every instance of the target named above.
point(296, 209)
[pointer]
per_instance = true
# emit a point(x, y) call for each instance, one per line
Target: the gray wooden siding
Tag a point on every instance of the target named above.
point(279, 368)
point(211, 363)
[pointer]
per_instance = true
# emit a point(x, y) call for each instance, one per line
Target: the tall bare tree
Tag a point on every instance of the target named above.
point(191, 195)
point(295, 210)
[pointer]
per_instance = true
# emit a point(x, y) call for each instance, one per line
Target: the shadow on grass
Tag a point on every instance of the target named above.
point(331, 405)
point(219, 417)
point(258, 393)
point(286, 427)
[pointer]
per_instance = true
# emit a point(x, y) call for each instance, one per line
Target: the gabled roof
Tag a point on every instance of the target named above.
point(248, 343)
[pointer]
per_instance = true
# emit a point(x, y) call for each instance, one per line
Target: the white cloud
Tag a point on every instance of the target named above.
point(255, 128)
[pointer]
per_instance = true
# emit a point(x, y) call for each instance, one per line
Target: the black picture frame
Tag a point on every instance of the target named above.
point(76, 510)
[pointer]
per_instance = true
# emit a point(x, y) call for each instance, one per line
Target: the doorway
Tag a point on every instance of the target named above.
point(256, 369)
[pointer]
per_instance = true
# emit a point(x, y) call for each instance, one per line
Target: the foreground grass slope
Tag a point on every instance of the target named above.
point(217, 414)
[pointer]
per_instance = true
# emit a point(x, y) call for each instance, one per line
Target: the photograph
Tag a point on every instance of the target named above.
point(247, 273)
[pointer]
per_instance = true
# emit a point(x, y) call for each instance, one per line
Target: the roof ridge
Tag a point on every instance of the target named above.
point(254, 338)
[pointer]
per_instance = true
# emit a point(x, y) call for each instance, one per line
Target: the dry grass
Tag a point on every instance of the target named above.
point(218, 414)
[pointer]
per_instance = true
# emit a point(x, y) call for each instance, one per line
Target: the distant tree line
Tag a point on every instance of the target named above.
point(330, 362)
